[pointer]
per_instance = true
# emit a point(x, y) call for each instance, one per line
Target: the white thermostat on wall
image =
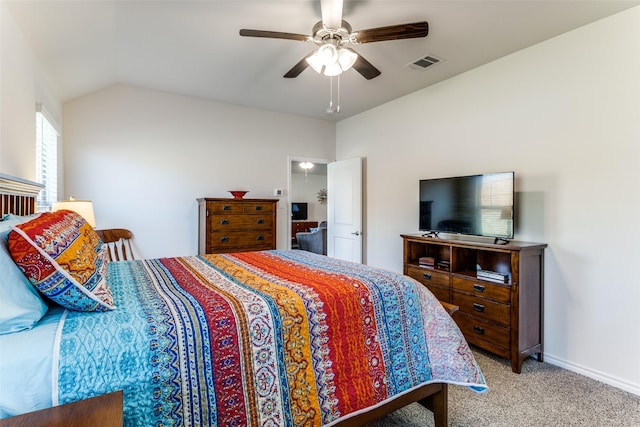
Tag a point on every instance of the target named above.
point(277, 192)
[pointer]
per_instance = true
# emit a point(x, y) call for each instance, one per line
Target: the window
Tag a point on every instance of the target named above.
point(496, 200)
point(46, 159)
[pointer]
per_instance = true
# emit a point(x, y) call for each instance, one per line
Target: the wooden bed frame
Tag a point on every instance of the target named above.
point(18, 196)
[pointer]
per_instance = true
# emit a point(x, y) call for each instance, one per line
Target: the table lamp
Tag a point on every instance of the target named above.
point(82, 207)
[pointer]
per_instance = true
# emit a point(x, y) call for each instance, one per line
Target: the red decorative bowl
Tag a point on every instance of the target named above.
point(238, 194)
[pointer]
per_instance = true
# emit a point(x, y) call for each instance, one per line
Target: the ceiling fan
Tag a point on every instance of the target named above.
point(332, 35)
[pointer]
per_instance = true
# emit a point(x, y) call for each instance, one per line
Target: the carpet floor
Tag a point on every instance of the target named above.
point(542, 395)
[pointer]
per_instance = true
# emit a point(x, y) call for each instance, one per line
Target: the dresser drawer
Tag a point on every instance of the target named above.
point(239, 207)
point(257, 208)
point(242, 222)
point(224, 207)
point(482, 289)
point(428, 276)
point(240, 239)
point(478, 330)
point(482, 308)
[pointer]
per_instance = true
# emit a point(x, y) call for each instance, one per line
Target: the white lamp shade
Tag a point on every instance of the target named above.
point(328, 54)
point(346, 58)
point(332, 70)
point(82, 207)
point(315, 62)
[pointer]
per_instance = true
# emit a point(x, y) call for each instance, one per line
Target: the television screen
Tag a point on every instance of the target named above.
point(298, 211)
point(480, 205)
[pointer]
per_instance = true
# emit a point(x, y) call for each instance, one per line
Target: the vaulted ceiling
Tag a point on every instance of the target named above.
point(193, 47)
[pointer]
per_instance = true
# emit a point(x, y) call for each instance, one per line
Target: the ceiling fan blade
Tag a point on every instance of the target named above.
point(392, 32)
point(273, 35)
point(365, 68)
point(331, 13)
point(298, 68)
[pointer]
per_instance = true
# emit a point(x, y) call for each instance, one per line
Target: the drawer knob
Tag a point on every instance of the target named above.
point(478, 307)
point(224, 239)
point(224, 221)
point(426, 276)
point(226, 208)
point(261, 221)
point(478, 330)
point(259, 208)
point(478, 288)
point(260, 237)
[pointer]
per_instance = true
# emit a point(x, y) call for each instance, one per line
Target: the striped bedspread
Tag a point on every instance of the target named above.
point(275, 338)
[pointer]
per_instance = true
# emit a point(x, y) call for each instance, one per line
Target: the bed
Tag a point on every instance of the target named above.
point(268, 338)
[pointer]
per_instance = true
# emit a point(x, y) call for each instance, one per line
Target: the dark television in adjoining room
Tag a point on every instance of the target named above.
point(299, 211)
point(478, 205)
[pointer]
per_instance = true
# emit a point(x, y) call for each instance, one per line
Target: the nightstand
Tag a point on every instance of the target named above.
point(103, 411)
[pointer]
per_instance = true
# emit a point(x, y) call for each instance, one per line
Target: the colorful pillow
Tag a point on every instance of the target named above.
point(64, 259)
point(20, 305)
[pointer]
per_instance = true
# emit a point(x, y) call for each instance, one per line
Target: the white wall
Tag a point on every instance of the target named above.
point(144, 157)
point(22, 85)
point(565, 116)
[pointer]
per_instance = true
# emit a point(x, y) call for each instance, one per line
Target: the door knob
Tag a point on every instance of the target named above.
point(357, 233)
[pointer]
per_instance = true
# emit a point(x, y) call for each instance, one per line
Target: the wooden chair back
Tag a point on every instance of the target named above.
point(118, 241)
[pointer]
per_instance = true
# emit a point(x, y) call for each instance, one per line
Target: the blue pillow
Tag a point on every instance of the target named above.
point(21, 307)
point(313, 229)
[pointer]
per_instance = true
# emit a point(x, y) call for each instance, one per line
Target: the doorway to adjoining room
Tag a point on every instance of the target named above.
point(307, 197)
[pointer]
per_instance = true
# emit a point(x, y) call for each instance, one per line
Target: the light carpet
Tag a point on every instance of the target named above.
point(542, 395)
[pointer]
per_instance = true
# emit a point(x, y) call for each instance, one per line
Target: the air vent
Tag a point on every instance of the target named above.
point(425, 62)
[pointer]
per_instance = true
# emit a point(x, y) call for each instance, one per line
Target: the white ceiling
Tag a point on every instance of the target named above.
point(193, 47)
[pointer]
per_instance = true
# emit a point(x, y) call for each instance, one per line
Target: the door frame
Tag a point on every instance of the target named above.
point(291, 159)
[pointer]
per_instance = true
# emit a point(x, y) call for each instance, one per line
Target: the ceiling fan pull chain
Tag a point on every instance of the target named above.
point(338, 102)
point(331, 93)
point(333, 109)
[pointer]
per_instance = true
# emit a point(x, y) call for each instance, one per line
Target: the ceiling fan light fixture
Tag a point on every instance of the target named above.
point(346, 58)
point(315, 62)
point(306, 165)
point(323, 58)
point(324, 61)
point(328, 54)
point(332, 70)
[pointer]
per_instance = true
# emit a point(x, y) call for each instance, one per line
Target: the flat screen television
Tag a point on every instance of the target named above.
point(299, 211)
point(477, 205)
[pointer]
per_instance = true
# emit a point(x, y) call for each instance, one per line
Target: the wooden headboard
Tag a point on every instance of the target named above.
point(17, 195)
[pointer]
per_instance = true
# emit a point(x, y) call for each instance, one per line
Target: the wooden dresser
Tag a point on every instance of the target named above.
point(503, 315)
point(236, 225)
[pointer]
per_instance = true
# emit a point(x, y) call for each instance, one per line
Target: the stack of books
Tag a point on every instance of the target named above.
point(443, 265)
point(426, 261)
point(492, 276)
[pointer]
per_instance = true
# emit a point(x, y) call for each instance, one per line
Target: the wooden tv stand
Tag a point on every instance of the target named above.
point(504, 317)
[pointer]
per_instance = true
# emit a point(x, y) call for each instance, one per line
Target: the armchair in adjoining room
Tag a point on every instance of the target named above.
point(315, 241)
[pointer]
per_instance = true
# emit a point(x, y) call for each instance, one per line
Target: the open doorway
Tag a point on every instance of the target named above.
point(307, 207)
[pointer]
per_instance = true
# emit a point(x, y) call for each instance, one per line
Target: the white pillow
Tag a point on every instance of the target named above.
point(21, 307)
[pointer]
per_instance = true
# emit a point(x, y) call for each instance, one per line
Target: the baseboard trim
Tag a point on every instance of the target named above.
point(591, 373)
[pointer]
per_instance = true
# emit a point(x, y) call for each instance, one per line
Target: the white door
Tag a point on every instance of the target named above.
point(344, 188)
